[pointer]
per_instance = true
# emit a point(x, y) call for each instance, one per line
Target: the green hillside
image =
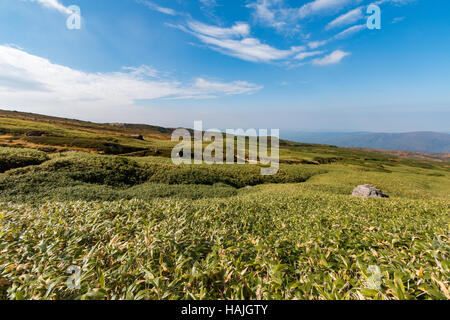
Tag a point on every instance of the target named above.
point(140, 227)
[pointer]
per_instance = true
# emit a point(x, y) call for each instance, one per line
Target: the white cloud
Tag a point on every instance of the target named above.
point(350, 31)
point(143, 71)
point(233, 88)
point(332, 58)
point(304, 55)
point(53, 4)
point(288, 20)
point(347, 18)
point(239, 29)
point(29, 80)
point(317, 44)
point(158, 8)
point(395, 2)
point(275, 14)
point(234, 42)
point(265, 13)
point(322, 6)
point(249, 49)
point(341, 35)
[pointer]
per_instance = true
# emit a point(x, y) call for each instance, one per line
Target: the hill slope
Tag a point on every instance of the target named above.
point(141, 227)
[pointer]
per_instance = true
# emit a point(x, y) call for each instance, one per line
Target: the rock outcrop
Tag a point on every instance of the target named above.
point(367, 191)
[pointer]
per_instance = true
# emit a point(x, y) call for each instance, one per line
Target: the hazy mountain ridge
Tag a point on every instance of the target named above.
point(423, 142)
point(427, 142)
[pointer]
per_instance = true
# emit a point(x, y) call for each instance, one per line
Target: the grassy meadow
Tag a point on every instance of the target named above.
point(74, 193)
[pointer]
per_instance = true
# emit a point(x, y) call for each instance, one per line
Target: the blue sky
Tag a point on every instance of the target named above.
point(304, 65)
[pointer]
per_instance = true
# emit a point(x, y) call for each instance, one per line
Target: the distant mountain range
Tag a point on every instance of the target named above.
point(424, 142)
point(427, 142)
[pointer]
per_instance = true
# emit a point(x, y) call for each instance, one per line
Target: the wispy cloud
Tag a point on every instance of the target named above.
point(350, 31)
point(347, 18)
point(304, 55)
point(237, 40)
point(277, 14)
point(143, 70)
point(332, 58)
point(234, 41)
point(230, 88)
point(250, 49)
point(239, 29)
point(158, 8)
point(341, 35)
point(26, 79)
point(317, 44)
point(53, 4)
point(394, 2)
point(323, 7)
point(270, 12)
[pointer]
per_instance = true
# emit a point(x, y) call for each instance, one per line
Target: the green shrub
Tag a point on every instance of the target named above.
point(235, 175)
point(106, 178)
point(107, 170)
point(11, 158)
point(117, 173)
point(103, 145)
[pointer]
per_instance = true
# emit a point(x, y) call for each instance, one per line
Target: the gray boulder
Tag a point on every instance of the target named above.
point(367, 191)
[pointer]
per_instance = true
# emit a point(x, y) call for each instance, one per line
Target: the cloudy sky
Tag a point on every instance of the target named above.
point(305, 65)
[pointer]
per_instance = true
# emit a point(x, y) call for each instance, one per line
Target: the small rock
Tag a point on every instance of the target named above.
point(138, 137)
point(35, 133)
point(367, 191)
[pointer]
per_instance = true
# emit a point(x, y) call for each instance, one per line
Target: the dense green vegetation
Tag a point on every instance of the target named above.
point(94, 177)
point(143, 228)
point(11, 158)
point(267, 243)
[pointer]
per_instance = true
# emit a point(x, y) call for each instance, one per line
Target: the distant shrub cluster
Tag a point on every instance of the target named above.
point(98, 144)
point(237, 176)
point(105, 178)
point(11, 158)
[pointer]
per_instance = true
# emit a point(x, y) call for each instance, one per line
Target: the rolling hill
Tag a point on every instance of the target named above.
point(140, 227)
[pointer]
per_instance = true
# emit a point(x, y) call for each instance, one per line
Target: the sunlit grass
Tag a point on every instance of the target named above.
point(143, 228)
